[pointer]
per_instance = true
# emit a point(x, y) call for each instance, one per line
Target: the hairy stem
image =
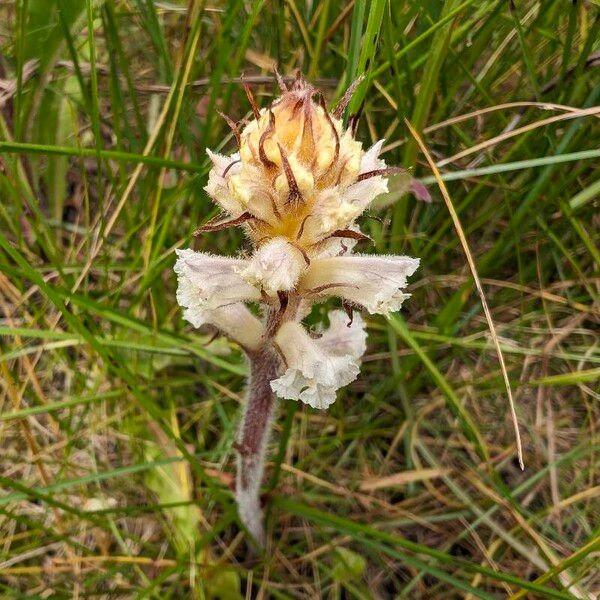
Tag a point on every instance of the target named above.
point(252, 440)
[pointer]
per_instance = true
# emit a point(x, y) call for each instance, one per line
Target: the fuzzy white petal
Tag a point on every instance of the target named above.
point(375, 282)
point(237, 322)
point(211, 281)
point(337, 207)
point(370, 160)
point(317, 368)
point(210, 290)
point(275, 266)
point(254, 193)
point(362, 193)
point(331, 211)
point(343, 336)
point(222, 163)
point(224, 167)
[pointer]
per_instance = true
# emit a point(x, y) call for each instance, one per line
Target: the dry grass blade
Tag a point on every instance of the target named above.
point(473, 268)
point(402, 478)
point(586, 112)
point(476, 114)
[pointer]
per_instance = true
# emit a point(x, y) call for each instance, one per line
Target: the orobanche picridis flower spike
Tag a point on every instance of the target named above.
point(296, 185)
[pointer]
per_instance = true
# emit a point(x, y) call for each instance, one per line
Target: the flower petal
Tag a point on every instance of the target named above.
point(292, 385)
point(211, 291)
point(211, 281)
point(234, 320)
point(217, 188)
point(361, 193)
point(343, 337)
point(330, 212)
point(317, 368)
point(337, 207)
point(254, 194)
point(374, 282)
point(370, 160)
point(275, 266)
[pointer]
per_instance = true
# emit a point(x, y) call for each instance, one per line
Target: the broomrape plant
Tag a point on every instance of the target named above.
point(296, 186)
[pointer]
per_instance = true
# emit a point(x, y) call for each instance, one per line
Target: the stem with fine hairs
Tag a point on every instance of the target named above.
point(253, 437)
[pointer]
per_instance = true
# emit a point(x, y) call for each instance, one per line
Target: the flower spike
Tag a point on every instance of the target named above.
point(297, 185)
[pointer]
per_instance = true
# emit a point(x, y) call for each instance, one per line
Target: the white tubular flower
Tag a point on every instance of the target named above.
point(317, 368)
point(210, 290)
point(275, 266)
point(209, 281)
point(235, 320)
point(375, 282)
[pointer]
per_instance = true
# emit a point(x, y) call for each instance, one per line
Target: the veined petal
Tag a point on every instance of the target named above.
point(210, 290)
point(208, 281)
point(343, 337)
point(275, 266)
point(317, 368)
point(375, 282)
